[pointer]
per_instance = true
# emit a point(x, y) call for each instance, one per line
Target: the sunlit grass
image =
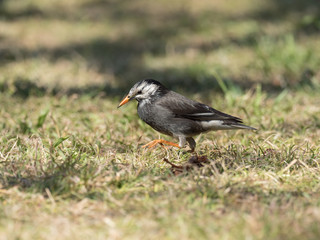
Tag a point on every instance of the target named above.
point(71, 163)
point(83, 155)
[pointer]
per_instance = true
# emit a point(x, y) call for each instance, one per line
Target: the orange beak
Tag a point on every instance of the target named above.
point(124, 101)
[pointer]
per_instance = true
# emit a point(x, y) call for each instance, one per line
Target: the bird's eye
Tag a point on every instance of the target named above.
point(139, 92)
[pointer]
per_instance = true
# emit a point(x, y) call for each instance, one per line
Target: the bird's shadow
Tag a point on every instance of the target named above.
point(194, 162)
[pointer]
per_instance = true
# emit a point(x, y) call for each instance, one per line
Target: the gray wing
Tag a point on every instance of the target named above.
point(183, 107)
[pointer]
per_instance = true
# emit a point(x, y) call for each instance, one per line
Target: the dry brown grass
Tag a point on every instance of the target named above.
point(71, 166)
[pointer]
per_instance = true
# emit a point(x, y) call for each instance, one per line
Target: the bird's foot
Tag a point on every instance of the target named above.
point(159, 141)
point(192, 151)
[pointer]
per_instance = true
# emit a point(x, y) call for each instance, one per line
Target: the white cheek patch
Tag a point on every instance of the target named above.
point(147, 91)
point(151, 89)
point(143, 102)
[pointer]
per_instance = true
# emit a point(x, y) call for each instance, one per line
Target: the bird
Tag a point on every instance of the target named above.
point(175, 115)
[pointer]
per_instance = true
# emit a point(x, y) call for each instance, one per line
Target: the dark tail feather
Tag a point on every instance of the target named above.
point(242, 126)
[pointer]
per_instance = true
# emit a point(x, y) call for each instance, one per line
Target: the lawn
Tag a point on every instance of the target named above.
point(71, 163)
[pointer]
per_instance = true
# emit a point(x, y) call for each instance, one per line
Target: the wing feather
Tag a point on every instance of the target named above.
point(183, 107)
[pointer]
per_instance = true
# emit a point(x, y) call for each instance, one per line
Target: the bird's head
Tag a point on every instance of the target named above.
point(145, 89)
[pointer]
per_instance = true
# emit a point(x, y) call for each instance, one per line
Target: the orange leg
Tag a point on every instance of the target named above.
point(159, 141)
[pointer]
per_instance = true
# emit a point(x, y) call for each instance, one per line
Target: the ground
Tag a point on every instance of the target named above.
point(71, 163)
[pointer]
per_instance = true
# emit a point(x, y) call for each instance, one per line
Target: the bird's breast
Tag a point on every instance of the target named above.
point(150, 115)
point(145, 111)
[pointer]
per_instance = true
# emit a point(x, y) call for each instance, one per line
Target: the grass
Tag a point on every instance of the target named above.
point(71, 166)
